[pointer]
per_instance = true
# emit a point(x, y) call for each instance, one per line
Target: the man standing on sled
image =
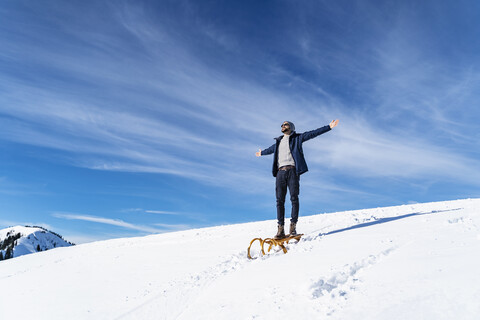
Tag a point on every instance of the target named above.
point(288, 164)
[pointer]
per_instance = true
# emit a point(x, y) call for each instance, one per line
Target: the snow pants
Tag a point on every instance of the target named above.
point(287, 179)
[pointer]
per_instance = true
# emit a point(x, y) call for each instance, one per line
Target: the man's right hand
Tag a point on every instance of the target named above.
point(333, 124)
point(259, 153)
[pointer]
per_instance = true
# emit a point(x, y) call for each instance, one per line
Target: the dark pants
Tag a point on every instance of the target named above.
point(287, 179)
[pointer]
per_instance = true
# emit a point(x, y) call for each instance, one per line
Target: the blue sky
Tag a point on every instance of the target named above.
point(126, 118)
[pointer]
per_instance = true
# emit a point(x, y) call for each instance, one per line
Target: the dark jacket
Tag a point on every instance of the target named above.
point(296, 140)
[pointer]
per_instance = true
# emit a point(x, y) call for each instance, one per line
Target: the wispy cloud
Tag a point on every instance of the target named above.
point(108, 221)
point(366, 151)
point(162, 212)
point(218, 112)
point(140, 210)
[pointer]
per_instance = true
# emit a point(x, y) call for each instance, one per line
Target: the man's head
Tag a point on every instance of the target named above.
point(288, 127)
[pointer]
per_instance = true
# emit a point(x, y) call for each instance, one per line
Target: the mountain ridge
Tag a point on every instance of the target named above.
point(22, 240)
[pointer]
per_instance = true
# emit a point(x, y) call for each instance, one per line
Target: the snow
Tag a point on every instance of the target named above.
point(416, 261)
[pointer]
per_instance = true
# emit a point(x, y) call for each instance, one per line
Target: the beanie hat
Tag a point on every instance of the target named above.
point(292, 126)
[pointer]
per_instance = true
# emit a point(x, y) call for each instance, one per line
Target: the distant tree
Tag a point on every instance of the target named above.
point(1, 255)
point(8, 253)
point(10, 241)
point(38, 248)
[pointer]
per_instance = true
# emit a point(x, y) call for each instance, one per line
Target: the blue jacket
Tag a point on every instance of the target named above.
point(296, 140)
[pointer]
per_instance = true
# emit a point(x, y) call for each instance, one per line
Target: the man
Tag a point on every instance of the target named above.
point(288, 164)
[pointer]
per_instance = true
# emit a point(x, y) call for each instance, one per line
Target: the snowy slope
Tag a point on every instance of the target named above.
point(31, 239)
point(408, 262)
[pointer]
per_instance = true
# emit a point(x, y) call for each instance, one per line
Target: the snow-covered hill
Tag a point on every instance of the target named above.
point(417, 261)
point(18, 241)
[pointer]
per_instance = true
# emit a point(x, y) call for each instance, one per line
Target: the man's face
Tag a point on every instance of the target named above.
point(285, 127)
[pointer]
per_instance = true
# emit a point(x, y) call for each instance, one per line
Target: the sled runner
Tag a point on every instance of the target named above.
point(273, 242)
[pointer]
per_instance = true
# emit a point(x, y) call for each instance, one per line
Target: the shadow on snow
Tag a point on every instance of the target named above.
point(384, 220)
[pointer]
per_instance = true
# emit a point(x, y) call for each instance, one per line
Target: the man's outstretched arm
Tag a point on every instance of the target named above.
point(266, 151)
point(314, 133)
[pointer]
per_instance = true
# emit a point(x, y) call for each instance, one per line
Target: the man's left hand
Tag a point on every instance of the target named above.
point(333, 124)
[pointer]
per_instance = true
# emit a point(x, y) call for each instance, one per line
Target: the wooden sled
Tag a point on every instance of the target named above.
point(273, 242)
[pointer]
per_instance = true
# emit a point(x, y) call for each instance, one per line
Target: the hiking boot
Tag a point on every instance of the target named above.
point(280, 232)
point(293, 230)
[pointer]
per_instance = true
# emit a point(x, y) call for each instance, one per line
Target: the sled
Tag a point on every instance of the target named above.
point(273, 242)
